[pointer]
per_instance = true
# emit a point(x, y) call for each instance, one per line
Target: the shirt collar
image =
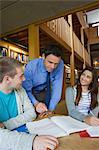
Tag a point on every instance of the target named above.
point(42, 66)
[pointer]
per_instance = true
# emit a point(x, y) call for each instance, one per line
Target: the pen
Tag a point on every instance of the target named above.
point(92, 114)
point(47, 114)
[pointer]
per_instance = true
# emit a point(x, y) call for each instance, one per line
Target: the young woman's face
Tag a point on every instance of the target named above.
point(86, 78)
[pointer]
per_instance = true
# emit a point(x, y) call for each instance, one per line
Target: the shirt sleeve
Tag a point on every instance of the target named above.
point(73, 112)
point(26, 111)
point(13, 140)
point(28, 83)
point(56, 87)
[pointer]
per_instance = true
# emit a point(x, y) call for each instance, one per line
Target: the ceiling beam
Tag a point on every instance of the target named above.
point(23, 13)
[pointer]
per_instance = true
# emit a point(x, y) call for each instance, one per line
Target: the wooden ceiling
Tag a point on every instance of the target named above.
point(16, 14)
point(21, 38)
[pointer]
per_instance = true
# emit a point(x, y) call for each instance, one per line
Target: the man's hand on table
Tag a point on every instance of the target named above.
point(45, 143)
point(40, 107)
point(45, 114)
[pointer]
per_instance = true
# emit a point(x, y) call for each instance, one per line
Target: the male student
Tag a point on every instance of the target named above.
point(16, 110)
point(15, 106)
point(37, 73)
point(13, 140)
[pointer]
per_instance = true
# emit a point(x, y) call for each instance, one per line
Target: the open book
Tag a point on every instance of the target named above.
point(93, 131)
point(57, 126)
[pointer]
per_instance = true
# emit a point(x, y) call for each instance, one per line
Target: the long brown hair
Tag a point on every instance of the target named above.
point(93, 88)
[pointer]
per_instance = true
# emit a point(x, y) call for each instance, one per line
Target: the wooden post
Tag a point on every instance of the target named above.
point(72, 67)
point(82, 40)
point(64, 84)
point(33, 41)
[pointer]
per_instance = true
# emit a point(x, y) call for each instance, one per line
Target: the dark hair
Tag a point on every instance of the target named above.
point(52, 49)
point(8, 67)
point(93, 88)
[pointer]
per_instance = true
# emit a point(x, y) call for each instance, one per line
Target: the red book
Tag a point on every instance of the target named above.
point(84, 134)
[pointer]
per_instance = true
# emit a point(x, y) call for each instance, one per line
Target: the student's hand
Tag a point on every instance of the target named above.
point(91, 120)
point(41, 107)
point(1, 125)
point(46, 114)
point(45, 143)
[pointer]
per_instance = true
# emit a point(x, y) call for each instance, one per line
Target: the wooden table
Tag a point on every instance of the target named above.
point(75, 142)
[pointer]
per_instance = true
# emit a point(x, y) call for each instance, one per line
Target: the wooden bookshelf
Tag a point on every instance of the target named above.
point(13, 51)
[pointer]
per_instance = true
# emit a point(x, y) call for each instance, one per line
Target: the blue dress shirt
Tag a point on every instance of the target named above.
point(36, 74)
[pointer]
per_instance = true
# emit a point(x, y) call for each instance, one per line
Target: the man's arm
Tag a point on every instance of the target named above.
point(57, 86)
point(25, 109)
point(17, 141)
point(28, 83)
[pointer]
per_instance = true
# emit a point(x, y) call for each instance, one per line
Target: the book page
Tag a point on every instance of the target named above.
point(69, 124)
point(93, 131)
point(45, 127)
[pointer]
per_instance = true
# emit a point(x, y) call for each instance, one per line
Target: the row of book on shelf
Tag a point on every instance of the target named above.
point(19, 56)
point(3, 51)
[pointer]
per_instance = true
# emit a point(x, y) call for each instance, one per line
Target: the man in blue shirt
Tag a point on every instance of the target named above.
point(36, 73)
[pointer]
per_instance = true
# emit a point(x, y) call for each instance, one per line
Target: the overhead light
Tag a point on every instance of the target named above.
point(95, 62)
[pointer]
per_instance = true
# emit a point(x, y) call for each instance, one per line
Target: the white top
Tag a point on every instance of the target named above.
point(84, 103)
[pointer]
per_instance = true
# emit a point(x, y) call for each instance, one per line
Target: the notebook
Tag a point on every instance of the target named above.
point(57, 126)
point(22, 128)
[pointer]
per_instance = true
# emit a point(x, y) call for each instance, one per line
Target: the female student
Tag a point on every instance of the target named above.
point(82, 100)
